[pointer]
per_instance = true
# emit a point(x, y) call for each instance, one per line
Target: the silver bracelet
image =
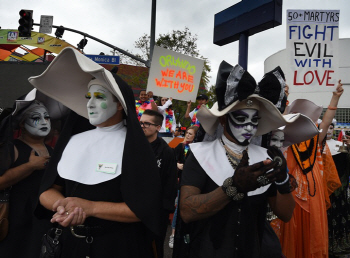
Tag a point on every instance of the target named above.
point(285, 181)
point(231, 191)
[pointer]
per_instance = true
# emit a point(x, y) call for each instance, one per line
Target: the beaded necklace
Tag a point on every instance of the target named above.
point(140, 108)
point(168, 119)
point(233, 158)
point(194, 118)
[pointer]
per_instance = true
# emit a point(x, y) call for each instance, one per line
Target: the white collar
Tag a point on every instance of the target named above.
point(111, 128)
point(94, 156)
point(212, 158)
point(233, 146)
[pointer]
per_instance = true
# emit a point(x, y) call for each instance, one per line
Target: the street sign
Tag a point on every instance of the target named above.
point(46, 22)
point(102, 59)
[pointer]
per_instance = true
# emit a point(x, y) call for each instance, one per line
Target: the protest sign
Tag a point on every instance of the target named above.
point(174, 75)
point(312, 47)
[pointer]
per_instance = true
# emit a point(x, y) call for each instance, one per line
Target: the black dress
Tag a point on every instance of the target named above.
point(110, 238)
point(179, 153)
point(25, 230)
point(236, 231)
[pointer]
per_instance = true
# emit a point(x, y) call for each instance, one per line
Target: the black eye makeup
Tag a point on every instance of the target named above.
point(240, 117)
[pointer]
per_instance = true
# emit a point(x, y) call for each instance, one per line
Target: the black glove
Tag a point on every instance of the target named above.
point(248, 178)
point(280, 171)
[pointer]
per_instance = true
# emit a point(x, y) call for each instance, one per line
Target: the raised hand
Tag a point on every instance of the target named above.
point(339, 90)
point(150, 94)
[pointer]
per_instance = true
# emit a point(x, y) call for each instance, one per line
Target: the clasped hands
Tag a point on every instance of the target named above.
point(248, 178)
point(71, 211)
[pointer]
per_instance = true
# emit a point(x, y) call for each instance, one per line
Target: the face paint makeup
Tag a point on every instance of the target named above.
point(104, 105)
point(277, 138)
point(37, 122)
point(101, 105)
point(330, 132)
point(243, 125)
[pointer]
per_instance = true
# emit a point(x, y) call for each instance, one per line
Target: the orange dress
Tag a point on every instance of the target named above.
point(306, 234)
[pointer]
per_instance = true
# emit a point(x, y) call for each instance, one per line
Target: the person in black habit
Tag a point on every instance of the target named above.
point(227, 183)
point(22, 166)
point(102, 182)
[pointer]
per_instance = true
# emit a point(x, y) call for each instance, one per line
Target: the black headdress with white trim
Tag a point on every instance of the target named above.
point(11, 122)
point(236, 89)
point(234, 83)
point(272, 87)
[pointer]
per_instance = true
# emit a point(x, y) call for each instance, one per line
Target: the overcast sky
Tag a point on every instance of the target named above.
point(121, 23)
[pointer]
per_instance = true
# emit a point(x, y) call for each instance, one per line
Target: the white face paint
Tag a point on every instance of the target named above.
point(101, 105)
point(243, 124)
point(37, 122)
point(277, 139)
point(330, 132)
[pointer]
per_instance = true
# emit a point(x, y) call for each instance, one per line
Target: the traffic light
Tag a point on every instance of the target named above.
point(25, 23)
point(59, 32)
point(82, 43)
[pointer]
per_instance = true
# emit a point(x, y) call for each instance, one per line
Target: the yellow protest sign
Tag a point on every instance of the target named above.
point(174, 75)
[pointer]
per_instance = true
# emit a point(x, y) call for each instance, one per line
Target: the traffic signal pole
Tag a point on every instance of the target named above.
point(153, 29)
point(147, 63)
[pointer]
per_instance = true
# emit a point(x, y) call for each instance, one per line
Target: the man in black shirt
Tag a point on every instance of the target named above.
point(151, 122)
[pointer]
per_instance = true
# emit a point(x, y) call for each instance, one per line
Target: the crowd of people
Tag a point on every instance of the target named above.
point(253, 176)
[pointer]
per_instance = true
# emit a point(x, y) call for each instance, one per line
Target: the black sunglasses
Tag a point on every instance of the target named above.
point(146, 124)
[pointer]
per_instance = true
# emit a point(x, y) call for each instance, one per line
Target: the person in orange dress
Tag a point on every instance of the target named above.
point(306, 234)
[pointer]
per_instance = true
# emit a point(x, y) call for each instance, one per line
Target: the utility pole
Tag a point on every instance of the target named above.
point(153, 30)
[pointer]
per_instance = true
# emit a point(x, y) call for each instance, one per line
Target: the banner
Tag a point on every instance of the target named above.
point(37, 39)
point(312, 47)
point(174, 75)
